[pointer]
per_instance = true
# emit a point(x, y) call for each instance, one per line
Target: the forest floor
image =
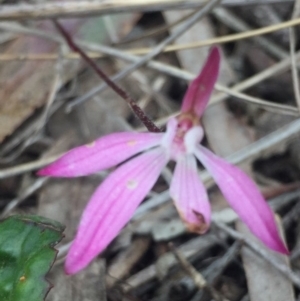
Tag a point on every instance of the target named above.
point(51, 101)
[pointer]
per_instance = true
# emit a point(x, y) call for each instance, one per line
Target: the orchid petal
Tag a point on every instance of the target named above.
point(112, 205)
point(189, 195)
point(244, 197)
point(101, 154)
point(199, 91)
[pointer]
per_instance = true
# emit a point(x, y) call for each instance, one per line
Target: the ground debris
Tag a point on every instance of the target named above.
point(49, 105)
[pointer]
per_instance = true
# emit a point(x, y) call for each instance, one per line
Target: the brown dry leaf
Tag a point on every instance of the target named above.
point(25, 85)
point(265, 283)
point(86, 286)
point(125, 260)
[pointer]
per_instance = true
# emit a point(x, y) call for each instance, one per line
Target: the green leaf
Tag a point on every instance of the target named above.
point(26, 256)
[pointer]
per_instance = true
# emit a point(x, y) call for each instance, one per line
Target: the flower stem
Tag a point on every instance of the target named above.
point(122, 93)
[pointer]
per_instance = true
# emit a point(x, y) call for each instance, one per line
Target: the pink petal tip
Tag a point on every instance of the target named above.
point(189, 195)
point(201, 88)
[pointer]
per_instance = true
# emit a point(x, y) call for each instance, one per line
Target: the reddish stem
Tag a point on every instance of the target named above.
point(122, 93)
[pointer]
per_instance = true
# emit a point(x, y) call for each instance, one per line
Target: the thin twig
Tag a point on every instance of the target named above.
point(156, 31)
point(208, 42)
point(198, 279)
point(189, 249)
point(73, 9)
point(291, 216)
point(294, 68)
point(230, 216)
point(170, 70)
point(122, 93)
point(234, 22)
point(25, 137)
point(266, 255)
point(57, 81)
point(173, 71)
point(246, 154)
point(225, 39)
point(16, 28)
point(275, 69)
point(154, 52)
point(24, 195)
point(6, 37)
point(250, 152)
point(182, 74)
point(22, 168)
point(267, 105)
point(215, 269)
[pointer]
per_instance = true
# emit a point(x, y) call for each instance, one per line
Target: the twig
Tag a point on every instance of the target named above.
point(292, 36)
point(122, 93)
point(6, 37)
point(267, 105)
point(264, 15)
point(215, 269)
point(250, 152)
point(198, 279)
point(152, 92)
point(254, 150)
point(110, 28)
point(156, 31)
point(154, 52)
point(284, 269)
point(173, 71)
point(83, 8)
point(276, 204)
point(189, 249)
point(22, 168)
point(123, 263)
point(24, 138)
point(275, 69)
point(208, 42)
point(16, 28)
point(295, 254)
point(228, 38)
point(29, 191)
point(291, 216)
point(57, 81)
point(234, 22)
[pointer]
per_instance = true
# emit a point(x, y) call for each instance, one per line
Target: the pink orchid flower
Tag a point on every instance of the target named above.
point(114, 202)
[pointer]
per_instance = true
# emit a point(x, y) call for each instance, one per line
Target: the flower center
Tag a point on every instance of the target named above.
point(186, 121)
